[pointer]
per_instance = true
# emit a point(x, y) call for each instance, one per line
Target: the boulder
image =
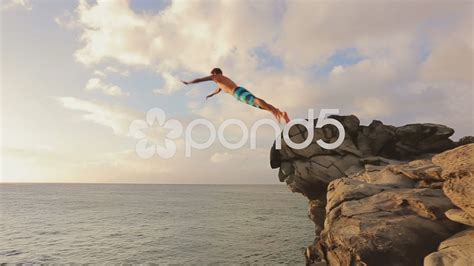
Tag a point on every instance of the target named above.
point(457, 250)
point(460, 216)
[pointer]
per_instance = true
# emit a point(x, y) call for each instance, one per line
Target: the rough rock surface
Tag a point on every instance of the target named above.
point(380, 197)
point(457, 250)
point(458, 171)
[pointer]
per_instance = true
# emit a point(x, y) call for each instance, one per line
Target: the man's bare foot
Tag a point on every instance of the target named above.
point(285, 116)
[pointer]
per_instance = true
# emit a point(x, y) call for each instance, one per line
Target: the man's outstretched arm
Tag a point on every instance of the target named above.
point(197, 80)
point(216, 91)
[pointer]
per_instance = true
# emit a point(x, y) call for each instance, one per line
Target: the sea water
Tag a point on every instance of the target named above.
point(122, 223)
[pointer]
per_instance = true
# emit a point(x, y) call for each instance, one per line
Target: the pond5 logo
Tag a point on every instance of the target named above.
point(171, 130)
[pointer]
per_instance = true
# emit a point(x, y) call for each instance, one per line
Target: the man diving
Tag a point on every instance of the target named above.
point(241, 94)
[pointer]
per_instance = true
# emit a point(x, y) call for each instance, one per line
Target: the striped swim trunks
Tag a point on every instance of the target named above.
point(243, 95)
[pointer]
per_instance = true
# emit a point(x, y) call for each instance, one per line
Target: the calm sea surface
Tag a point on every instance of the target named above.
point(189, 224)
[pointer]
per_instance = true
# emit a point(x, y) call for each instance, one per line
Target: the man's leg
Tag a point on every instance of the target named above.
point(266, 106)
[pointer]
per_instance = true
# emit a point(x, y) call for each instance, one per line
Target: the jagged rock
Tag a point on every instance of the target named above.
point(465, 140)
point(419, 170)
point(384, 176)
point(426, 137)
point(378, 198)
point(460, 216)
point(457, 250)
point(316, 167)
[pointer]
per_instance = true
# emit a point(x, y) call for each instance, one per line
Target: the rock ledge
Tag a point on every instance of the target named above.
point(387, 196)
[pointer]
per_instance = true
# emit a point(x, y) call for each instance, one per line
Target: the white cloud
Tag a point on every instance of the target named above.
point(103, 73)
point(108, 89)
point(99, 73)
point(111, 69)
point(115, 117)
point(312, 31)
point(373, 107)
point(452, 57)
point(10, 4)
point(177, 37)
point(337, 70)
point(112, 30)
point(172, 84)
point(67, 21)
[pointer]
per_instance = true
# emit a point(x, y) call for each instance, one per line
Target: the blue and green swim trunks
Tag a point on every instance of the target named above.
point(243, 95)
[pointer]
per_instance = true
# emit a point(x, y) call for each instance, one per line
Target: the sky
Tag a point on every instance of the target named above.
point(75, 74)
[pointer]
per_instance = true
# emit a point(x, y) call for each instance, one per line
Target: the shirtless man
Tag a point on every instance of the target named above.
point(241, 94)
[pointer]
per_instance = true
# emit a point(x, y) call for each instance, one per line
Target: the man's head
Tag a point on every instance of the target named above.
point(216, 71)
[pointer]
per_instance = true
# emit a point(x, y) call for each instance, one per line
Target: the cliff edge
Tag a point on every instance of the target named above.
point(386, 196)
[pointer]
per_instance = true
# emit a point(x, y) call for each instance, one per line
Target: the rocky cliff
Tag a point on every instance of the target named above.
point(387, 196)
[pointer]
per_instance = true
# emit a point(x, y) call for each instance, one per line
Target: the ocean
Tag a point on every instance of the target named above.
point(169, 224)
